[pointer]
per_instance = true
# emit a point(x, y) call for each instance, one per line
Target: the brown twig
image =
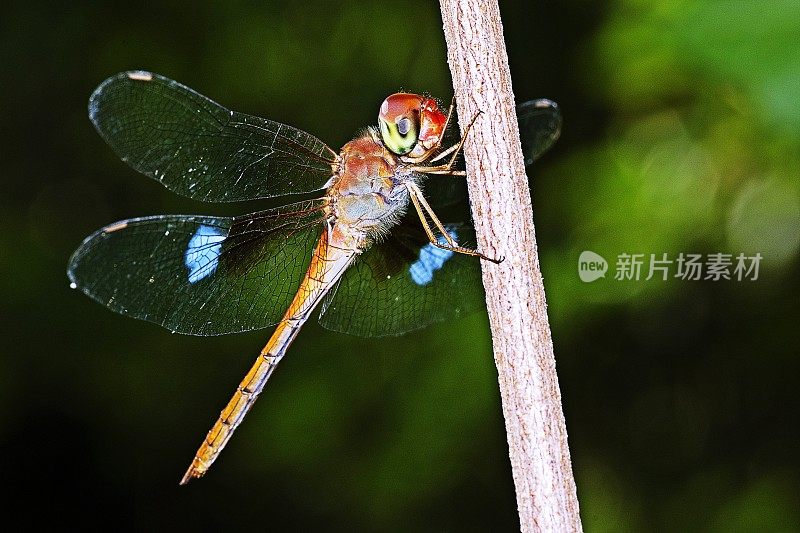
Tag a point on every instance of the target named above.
point(501, 208)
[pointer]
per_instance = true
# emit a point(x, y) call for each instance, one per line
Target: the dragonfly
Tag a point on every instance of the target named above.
point(356, 251)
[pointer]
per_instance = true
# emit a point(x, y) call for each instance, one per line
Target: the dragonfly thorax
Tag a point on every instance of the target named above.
point(369, 189)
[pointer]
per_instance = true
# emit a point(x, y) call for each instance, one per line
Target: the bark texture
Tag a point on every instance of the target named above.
point(503, 215)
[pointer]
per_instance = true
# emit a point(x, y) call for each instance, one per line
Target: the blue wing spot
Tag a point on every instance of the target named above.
point(430, 260)
point(202, 254)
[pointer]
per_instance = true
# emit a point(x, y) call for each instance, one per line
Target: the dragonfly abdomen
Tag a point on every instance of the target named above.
point(335, 251)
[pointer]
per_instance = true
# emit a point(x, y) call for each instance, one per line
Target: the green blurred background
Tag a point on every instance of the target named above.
point(681, 134)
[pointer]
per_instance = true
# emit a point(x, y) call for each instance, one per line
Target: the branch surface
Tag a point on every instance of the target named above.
point(503, 215)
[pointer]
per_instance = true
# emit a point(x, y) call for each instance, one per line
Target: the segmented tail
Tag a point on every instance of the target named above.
point(327, 265)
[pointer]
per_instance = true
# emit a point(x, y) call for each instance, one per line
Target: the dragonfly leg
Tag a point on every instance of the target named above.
point(467, 251)
point(447, 172)
point(447, 121)
point(424, 205)
point(444, 154)
point(455, 150)
point(460, 145)
point(424, 210)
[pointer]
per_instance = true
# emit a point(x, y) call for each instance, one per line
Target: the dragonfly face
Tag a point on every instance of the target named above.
point(411, 124)
point(349, 251)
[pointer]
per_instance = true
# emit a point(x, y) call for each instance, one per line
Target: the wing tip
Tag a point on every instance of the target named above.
point(540, 107)
point(94, 99)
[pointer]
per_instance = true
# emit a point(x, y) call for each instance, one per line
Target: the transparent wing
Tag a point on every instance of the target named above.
point(201, 275)
point(404, 283)
point(197, 148)
point(539, 127)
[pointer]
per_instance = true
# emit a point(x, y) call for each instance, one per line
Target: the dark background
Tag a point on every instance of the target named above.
point(681, 128)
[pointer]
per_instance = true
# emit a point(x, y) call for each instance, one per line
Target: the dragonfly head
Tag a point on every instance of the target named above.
point(411, 124)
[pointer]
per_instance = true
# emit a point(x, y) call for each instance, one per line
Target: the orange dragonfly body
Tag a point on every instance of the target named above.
point(212, 275)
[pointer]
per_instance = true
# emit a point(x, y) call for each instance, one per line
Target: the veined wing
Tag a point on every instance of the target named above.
point(201, 275)
point(198, 148)
point(404, 283)
point(539, 127)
